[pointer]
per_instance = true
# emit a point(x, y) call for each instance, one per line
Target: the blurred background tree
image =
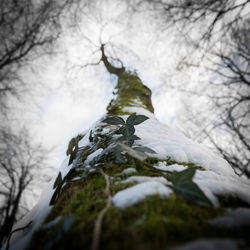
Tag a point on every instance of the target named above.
point(218, 34)
point(28, 29)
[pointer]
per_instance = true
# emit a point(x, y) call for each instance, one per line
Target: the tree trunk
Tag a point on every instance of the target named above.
point(124, 193)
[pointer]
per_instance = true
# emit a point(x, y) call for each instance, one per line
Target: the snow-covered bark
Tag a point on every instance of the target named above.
point(112, 193)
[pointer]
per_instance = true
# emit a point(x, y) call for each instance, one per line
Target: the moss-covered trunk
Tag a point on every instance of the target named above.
point(84, 213)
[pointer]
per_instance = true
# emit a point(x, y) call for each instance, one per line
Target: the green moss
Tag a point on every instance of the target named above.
point(84, 199)
point(154, 223)
point(131, 92)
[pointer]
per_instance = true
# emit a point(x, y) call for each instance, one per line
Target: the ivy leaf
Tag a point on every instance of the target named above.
point(117, 153)
point(184, 186)
point(58, 180)
point(131, 139)
point(191, 192)
point(128, 137)
point(130, 119)
point(134, 119)
point(73, 155)
point(90, 136)
point(68, 176)
point(183, 176)
point(114, 120)
point(127, 130)
point(71, 145)
point(55, 195)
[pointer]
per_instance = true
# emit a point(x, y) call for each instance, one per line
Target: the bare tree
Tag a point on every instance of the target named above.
point(28, 29)
point(218, 17)
point(219, 30)
point(19, 160)
point(231, 97)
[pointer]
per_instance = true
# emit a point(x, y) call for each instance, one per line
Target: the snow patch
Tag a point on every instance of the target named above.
point(220, 184)
point(93, 155)
point(161, 165)
point(105, 131)
point(170, 143)
point(218, 177)
point(141, 179)
point(128, 171)
point(139, 192)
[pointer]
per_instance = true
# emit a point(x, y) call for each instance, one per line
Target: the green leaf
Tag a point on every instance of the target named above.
point(191, 192)
point(117, 153)
point(58, 180)
point(90, 136)
point(114, 120)
point(55, 195)
point(130, 119)
point(131, 139)
point(134, 119)
point(71, 144)
point(127, 130)
point(183, 176)
point(184, 186)
point(135, 137)
point(69, 175)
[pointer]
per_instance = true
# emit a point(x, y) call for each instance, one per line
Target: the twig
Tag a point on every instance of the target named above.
point(14, 231)
point(99, 220)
